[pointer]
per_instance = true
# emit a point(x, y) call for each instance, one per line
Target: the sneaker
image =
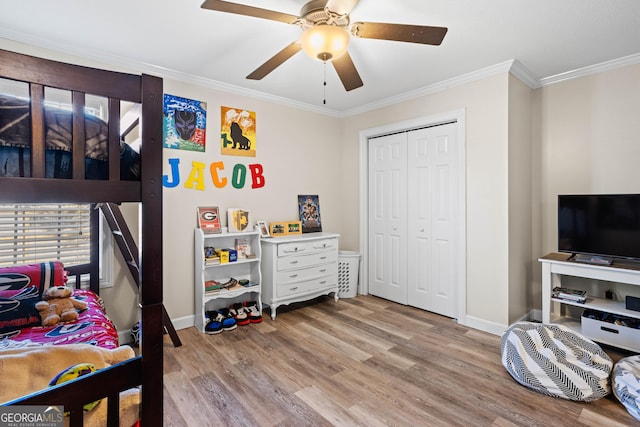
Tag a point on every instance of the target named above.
point(254, 314)
point(228, 322)
point(214, 325)
point(239, 313)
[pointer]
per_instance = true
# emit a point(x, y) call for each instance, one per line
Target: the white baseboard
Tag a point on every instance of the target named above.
point(183, 322)
point(497, 328)
point(485, 325)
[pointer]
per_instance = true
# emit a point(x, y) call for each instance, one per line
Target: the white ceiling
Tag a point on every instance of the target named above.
point(177, 38)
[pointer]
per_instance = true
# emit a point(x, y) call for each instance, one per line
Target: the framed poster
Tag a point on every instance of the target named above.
point(209, 220)
point(184, 123)
point(237, 132)
point(309, 209)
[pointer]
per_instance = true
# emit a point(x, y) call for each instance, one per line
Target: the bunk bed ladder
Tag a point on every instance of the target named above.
point(129, 251)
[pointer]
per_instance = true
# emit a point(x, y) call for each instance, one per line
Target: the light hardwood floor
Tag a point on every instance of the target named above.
point(362, 361)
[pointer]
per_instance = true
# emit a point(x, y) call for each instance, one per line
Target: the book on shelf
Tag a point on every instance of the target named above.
point(242, 247)
point(209, 220)
point(215, 260)
point(211, 286)
point(567, 294)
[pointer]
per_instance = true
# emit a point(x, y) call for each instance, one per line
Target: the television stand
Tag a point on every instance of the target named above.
point(555, 266)
point(591, 259)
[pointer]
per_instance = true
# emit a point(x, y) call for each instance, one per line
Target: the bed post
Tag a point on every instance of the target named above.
point(151, 260)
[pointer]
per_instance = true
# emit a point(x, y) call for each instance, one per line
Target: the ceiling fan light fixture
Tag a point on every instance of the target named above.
point(325, 42)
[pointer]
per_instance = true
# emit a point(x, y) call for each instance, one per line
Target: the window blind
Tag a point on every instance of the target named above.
point(31, 233)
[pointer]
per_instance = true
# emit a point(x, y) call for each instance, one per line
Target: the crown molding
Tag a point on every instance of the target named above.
point(512, 66)
point(493, 70)
point(592, 69)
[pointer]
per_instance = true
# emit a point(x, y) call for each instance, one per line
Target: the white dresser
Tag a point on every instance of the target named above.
point(298, 268)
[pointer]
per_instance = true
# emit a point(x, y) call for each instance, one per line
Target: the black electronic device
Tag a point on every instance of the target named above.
point(600, 225)
point(632, 303)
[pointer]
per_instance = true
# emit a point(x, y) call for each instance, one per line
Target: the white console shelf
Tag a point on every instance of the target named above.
point(556, 265)
point(241, 269)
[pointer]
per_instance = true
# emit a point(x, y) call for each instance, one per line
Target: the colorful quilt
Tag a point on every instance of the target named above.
point(22, 286)
point(92, 327)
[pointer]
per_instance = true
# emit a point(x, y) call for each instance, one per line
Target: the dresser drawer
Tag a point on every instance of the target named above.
point(293, 248)
point(302, 261)
point(305, 286)
point(290, 276)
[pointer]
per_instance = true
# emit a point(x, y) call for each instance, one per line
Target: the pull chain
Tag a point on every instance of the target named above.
point(324, 100)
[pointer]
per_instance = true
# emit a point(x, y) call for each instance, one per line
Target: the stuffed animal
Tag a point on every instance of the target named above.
point(58, 306)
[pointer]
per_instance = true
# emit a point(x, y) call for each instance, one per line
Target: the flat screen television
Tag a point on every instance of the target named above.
point(600, 225)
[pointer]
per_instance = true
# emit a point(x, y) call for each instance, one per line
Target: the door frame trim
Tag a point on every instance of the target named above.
point(458, 116)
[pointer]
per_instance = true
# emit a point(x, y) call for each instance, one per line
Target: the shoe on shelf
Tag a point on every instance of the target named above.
point(239, 312)
point(254, 314)
point(229, 284)
point(228, 322)
point(214, 325)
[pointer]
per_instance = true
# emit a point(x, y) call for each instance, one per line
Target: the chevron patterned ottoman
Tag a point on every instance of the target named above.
point(556, 361)
point(626, 384)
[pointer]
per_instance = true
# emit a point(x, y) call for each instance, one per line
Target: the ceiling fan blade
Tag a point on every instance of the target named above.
point(341, 7)
point(399, 32)
point(275, 61)
point(241, 9)
point(347, 72)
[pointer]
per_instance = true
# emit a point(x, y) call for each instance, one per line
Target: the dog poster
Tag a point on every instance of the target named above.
point(184, 123)
point(237, 132)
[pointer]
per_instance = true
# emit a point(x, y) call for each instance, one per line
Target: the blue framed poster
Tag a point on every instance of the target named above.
point(184, 123)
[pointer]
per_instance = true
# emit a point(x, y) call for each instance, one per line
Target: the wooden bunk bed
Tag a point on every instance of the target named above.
point(145, 370)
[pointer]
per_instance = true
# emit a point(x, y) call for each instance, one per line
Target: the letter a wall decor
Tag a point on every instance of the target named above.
point(237, 132)
point(184, 123)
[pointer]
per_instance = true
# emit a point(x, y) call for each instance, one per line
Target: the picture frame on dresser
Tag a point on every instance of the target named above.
point(278, 229)
point(263, 229)
point(294, 227)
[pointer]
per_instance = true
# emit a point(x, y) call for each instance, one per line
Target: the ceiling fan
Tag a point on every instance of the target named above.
point(327, 30)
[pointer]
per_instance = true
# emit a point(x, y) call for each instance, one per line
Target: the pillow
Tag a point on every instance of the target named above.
point(17, 308)
point(41, 275)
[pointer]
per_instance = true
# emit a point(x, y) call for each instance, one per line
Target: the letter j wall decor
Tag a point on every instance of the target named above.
point(184, 124)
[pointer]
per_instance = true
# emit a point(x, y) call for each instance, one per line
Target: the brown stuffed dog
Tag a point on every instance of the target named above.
point(58, 306)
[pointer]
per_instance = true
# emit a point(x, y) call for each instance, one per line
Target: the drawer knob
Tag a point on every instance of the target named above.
point(293, 276)
point(323, 257)
point(323, 270)
point(323, 282)
point(293, 289)
point(293, 262)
